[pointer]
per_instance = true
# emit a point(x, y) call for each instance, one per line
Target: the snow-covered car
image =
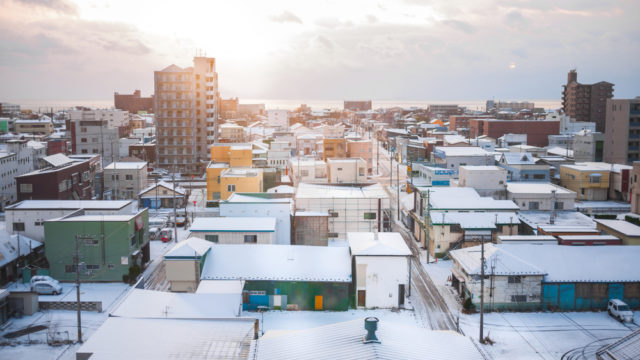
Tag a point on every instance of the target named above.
point(620, 310)
point(40, 278)
point(166, 234)
point(47, 287)
point(154, 233)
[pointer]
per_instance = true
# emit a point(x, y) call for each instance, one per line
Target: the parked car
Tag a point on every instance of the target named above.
point(166, 234)
point(41, 278)
point(181, 221)
point(154, 233)
point(47, 287)
point(158, 221)
point(620, 310)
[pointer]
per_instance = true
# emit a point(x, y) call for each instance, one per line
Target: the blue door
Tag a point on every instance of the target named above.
point(616, 291)
point(567, 296)
point(549, 296)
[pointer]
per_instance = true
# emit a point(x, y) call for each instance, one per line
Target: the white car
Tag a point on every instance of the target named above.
point(47, 287)
point(39, 278)
point(620, 310)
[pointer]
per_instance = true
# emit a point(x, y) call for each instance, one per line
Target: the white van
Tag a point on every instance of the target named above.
point(620, 310)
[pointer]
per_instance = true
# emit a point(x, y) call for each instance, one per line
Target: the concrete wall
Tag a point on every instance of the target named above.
point(383, 276)
point(183, 275)
point(544, 200)
point(483, 180)
point(237, 237)
point(126, 189)
point(281, 211)
point(346, 171)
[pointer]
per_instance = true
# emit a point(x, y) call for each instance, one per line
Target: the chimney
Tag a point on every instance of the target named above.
point(371, 325)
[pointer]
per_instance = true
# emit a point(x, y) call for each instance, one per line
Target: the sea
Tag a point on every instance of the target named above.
point(286, 104)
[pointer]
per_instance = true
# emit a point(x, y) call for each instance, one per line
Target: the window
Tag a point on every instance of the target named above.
point(26, 188)
point(128, 177)
point(18, 226)
point(252, 239)
point(231, 188)
point(38, 223)
point(518, 298)
point(111, 266)
point(84, 140)
point(84, 151)
point(332, 235)
point(212, 238)
point(595, 178)
point(304, 172)
point(133, 240)
point(361, 171)
point(559, 205)
point(70, 269)
point(514, 279)
point(539, 176)
point(62, 186)
point(90, 241)
point(369, 216)
point(333, 213)
point(534, 205)
point(85, 176)
point(92, 267)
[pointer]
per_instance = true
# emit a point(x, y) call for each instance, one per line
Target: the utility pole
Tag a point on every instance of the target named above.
point(77, 261)
point(427, 223)
point(482, 291)
point(377, 155)
point(175, 212)
point(398, 186)
point(552, 220)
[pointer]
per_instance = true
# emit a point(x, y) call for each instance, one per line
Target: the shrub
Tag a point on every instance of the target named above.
point(605, 216)
point(468, 305)
point(632, 219)
point(125, 278)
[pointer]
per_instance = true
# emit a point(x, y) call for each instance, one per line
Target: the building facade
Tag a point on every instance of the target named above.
point(125, 179)
point(133, 103)
point(622, 139)
point(586, 102)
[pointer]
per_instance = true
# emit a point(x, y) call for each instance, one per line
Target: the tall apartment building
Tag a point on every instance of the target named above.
point(186, 110)
point(622, 139)
point(586, 102)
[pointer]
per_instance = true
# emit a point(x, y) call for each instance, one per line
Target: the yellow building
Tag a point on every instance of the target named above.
point(240, 180)
point(213, 179)
point(590, 181)
point(225, 157)
point(240, 156)
point(334, 148)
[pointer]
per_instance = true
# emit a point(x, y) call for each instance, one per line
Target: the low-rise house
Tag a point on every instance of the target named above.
point(590, 181)
point(42, 126)
point(540, 196)
point(588, 240)
point(362, 149)
point(125, 179)
point(523, 167)
point(271, 205)
point(488, 180)
point(588, 146)
point(109, 245)
point(59, 178)
point(562, 222)
point(12, 247)
point(351, 208)
point(527, 239)
point(235, 230)
point(548, 277)
point(382, 264)
point(452, 157)
point(284, 276)
point(624, 230)
point(162, 195)
point(230, 132)
point(240, 180)
point(431, 175)
point(182, 264)
point(523, 148)
point(347, 170)
point(27, 217)
point(308, 171)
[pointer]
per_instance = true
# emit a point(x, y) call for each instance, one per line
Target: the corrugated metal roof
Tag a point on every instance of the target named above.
point(373, 244)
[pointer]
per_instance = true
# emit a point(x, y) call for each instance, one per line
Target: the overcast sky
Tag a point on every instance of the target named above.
point(369, 49)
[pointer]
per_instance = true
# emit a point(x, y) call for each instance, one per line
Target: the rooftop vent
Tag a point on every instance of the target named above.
point(371, 325)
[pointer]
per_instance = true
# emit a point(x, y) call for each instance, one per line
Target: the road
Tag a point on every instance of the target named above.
point(429, 305)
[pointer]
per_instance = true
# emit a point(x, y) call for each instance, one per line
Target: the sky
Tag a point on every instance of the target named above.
point(345, 49)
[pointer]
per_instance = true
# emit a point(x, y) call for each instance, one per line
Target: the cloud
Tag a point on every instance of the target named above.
point(372, 19)
point(285, 17)
point(460, 25)
point(515, 19)
point(62, 6)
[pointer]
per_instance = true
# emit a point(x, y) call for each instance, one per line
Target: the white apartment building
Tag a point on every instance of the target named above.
point(347, 170)
point(307, 170)
point(539, 196)
point(487, 180)
point(124, 146)
point(279, 154)
point(114, 118)
point(232, 132)
point(95, 137)
point(278, 118)
point(125, 179)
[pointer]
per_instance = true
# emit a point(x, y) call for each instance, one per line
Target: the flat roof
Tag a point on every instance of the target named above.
point(589, 237)
point(482, 168)
point(119, 165)
point(325, 191)
point(260, 262)
point(621, 226)
point(234, 224)
point(108, 217)
point(474, 220)
point(464, 198)
point(564, 218)
point(188, 249)
point(528, 238)
point(462, 151)
point(69, 205)
point(519, 187)
point(377, 244)
point(598, 166)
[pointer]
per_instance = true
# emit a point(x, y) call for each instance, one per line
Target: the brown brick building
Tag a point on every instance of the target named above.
point(133, 103)
point(586, 102)
point(460, 123)
point(537, 131)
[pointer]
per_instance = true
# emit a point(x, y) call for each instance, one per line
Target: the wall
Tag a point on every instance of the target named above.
point(543, 200)
point(311, 230)
point(383, 276)
point(488, 180)
point(213, 183)
point(281, 211)
point(236, 237)
point(588, 296)
point(242, 183)
point(578, 181)
point(346, 171)
point(183, 275)
point(335, 296)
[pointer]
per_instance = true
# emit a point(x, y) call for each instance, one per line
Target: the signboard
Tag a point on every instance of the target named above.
point(124, 260)
point(139, 223)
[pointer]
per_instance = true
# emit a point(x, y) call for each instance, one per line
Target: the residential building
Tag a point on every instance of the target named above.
point(230, 132)
point(551, 277)
point(278, 118)
point(240, 180)
point(111, 118)
point(426, 175)
point(507, 140)
point(537, 131)
point(9, 109)
point(357, 105)
point(511, 106)
point(7, 125)
point(276, 205)
point(124, 145)
point(27, 217)
point(588, 240)
point(228, 108)
point(624, 230)
point(381, 262)
point(540, 196)
point(182, 264)
point(523, 167)
point(351, 208)
point(235, 230)
point(144, 152)
point(597, 181)
point(588, 146)
point(125, 179)
point(348, 170)
point(93, 136)
point(443, 110)
point(59, 178)
point(284, 276)
point(622, 137)
point(635, 188)
point(556, 223)
point(278, 154)
point(251, 109)
point(487, 180)
point(460, 123)
point(451, 157)
point(586, 102)
point(332, 131)
point(361, 149)
point(163, 194)
point(569, 125)
point(225, 156)
point(334, 148)
point(109, 245)
point(8, 170)
point(186, 111)
point(308, 171)
point(133, 103)
point(10, 245)
point(42, 126)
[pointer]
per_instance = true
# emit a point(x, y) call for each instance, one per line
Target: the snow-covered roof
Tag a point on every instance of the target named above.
point(278, 262)
point(482, 168)
point(166, 184)
point(535, 218)
point(527, 239)
point(282, 189)
point(557, 150)
point(56, 160)
point(588, 237)
point(169, 339)
point(190, 248)
point(234, 224)
point(152, 304)
point(517, 158)
point(119, 165)
point(461, 151)
point(464, 198)
point(344, 340)
point(523, 187)
point(9, 246)
point(624, 227)
point(69, 205)
point(107, 217)
point(220, 287)
point(502, 262)
point(248, 198)
point(377, 244)
point(474, 220)
point(598, 166)
point(323, 191)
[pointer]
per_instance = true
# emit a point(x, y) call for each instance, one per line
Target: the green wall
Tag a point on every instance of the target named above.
point(60, 247)
point(335, 296)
